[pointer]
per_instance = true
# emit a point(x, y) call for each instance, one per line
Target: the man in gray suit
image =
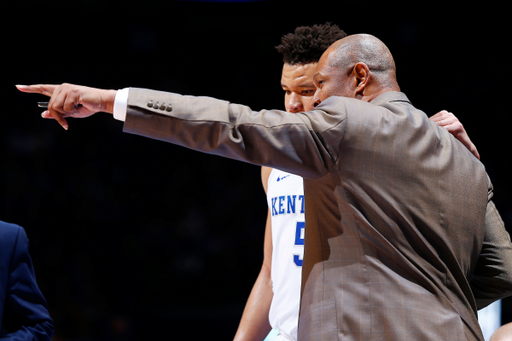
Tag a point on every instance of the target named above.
point(403, 241)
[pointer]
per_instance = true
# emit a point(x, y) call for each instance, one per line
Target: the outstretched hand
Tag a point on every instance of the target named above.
point(75, 101)
point(452, 124)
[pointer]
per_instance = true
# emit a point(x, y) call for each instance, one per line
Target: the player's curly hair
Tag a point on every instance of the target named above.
point(308, 43)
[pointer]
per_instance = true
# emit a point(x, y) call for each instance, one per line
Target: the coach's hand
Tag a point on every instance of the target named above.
point(68, 100)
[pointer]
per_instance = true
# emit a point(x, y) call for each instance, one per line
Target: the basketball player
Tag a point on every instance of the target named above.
point(273, 304)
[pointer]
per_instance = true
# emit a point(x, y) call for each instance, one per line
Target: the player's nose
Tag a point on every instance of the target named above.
point(294, 104)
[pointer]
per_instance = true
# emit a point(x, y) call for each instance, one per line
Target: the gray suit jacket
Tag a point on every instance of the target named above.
point(402, 239)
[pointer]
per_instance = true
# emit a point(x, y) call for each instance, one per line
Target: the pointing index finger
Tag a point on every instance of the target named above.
point(44, 89)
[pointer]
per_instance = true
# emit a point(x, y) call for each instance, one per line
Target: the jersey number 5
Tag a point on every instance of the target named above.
point(299, 240)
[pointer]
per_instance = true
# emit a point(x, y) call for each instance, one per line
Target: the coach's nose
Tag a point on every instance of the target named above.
point(316, 101)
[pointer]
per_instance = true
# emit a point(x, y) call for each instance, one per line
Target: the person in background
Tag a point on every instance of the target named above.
point(23, 310)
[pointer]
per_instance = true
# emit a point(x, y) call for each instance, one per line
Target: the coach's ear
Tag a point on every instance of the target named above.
point(361, 78)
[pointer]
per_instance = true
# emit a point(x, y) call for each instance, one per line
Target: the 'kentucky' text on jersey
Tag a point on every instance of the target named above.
point(287, 204)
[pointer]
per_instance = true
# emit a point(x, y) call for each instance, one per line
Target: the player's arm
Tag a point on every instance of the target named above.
point(452, 124)
point(254, 324)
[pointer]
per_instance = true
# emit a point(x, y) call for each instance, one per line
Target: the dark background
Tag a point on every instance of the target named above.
point(134, 239)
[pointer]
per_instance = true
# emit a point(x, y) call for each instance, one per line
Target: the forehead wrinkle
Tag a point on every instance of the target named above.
point(299, 82)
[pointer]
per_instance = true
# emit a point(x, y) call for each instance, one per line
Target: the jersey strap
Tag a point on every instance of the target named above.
point(271, 336)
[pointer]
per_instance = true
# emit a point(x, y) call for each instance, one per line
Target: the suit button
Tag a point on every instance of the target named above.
point(169, 108)
point(162, 107)
point(150, 104)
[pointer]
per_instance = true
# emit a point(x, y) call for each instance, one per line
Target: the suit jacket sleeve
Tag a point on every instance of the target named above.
point(25, 315)
point(492, 279)
point(290, 142)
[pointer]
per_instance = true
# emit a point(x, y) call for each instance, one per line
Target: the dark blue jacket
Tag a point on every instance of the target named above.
point(23, 310)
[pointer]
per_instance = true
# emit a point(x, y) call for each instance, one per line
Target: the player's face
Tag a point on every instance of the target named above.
point(298, 86)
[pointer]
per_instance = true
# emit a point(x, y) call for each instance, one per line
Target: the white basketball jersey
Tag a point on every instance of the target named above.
point(285, 197)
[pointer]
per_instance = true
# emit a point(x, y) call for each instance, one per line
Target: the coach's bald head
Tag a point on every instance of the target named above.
point(358, 66)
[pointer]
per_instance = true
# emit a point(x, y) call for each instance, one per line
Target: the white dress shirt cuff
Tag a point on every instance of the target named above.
point(121, 104)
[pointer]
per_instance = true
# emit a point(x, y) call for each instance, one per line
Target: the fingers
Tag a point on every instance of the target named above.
point(68, 100)
point(444, 118)
point(44, 89)
point(60, 119)
point(449, 121)
point(61, 105)
point(442, 115)
point(47, 90)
